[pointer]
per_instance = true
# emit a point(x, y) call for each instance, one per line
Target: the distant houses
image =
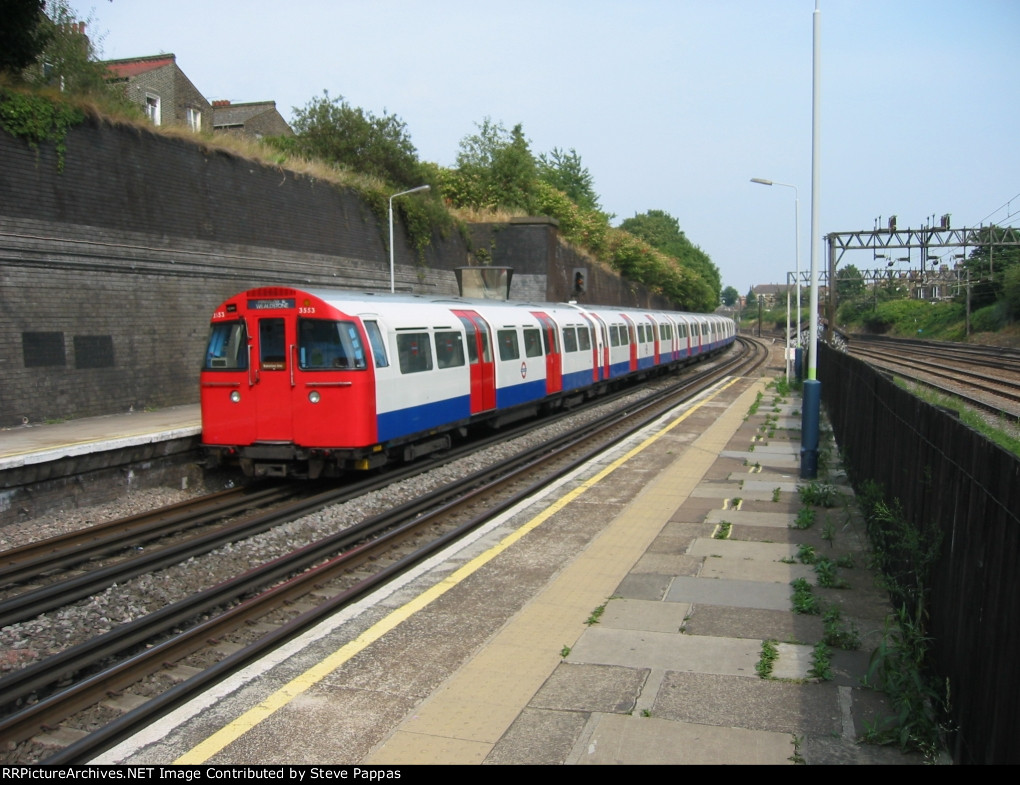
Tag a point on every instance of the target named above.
point(168, 97)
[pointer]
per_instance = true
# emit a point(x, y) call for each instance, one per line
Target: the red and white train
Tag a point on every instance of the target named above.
point(318, 382)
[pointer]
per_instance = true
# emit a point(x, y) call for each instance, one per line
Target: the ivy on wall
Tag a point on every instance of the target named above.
point(37, 120)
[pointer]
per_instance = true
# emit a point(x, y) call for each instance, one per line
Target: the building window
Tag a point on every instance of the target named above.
point(152, 108)
point(194, 118)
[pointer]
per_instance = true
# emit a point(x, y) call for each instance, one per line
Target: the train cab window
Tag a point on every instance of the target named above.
point(532, 342)
point(414, 351)
point(584, 338)
point(569, 339)
point(272, 345)
point(509, 349)
point(449, 349)
point(324, 344)
point(377, 343)
point(227, 349)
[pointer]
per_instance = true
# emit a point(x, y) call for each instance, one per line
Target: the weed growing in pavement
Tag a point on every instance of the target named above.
point(818, 495)
point(723, 531)
point(827, 572)
point(596, 615)
point(775, 494)
point(565, 651)
point(821, 662)
point(805, 518)
point(806, 554)
point(797, 757)
point(767, 660)
point(840, 634)
point(804, 602)
point(754, 406)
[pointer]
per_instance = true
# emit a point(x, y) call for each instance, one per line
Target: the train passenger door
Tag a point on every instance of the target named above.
point(632, 333)
point(478, 340)
point(553, 362)
point(595, 327)
point(655, 340)
point(273, 358)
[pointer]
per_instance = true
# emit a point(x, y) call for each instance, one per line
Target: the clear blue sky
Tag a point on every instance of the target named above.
point(671, 104)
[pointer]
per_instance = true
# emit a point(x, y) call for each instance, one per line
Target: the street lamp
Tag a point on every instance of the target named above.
point(402, 193)
point(796, 247)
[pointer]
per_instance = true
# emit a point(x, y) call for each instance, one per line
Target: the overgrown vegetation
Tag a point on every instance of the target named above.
point(900, 666)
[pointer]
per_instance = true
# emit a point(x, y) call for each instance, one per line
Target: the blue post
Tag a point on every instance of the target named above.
point(809, 429)
point(798, 363)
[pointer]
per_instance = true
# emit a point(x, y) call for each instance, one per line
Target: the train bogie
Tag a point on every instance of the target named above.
point(320, 382)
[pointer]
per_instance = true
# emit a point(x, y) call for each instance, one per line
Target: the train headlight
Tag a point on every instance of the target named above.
point(235, 396)
point(314, 396)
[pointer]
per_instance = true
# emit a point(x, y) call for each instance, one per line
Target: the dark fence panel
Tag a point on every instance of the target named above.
point(954, 484)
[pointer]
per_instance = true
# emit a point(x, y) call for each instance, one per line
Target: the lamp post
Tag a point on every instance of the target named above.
point(402, 193)
point(796, 251)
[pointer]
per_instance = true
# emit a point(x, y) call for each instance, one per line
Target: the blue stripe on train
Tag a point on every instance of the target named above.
point(414, 419)
point(516, 394)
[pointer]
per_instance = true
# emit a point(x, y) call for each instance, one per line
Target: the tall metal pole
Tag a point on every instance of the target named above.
point(402, 193)
point(812, 388)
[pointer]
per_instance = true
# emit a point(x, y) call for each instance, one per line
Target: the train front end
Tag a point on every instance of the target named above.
point(287, 386)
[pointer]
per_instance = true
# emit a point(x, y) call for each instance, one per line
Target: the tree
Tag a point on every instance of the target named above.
point(849, 283)
point(333, 131)
point(662, 231)
point(988, 264)
point(752, 298)
point(1011, 290)
point(730, 296)
point(565, 172)
point(23, 35)
point(495, 168)
point(70, 60)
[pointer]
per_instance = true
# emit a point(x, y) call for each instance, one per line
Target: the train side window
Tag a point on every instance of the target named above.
point(532, 342)
point(569, 339)
point(584, 338)
point(414, 351)
point(227, 349)
point(625, 336)
point(614, 335)
point(272, 344)
point(324, 344)
point(449, 349)
point(509, 349)
point(377, 343)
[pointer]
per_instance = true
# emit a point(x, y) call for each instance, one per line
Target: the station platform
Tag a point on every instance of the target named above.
point(617, 618)
point(39, 443)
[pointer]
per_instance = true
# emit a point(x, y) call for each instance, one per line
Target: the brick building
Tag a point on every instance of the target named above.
point(168, 97)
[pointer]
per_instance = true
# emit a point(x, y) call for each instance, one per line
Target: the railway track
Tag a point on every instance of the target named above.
point(175, 653)
point(987, 378)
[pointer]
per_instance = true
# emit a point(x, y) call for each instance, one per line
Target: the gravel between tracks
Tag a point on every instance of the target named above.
point(49, 633)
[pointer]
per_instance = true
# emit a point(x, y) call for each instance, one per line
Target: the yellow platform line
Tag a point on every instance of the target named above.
point(218, 741)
